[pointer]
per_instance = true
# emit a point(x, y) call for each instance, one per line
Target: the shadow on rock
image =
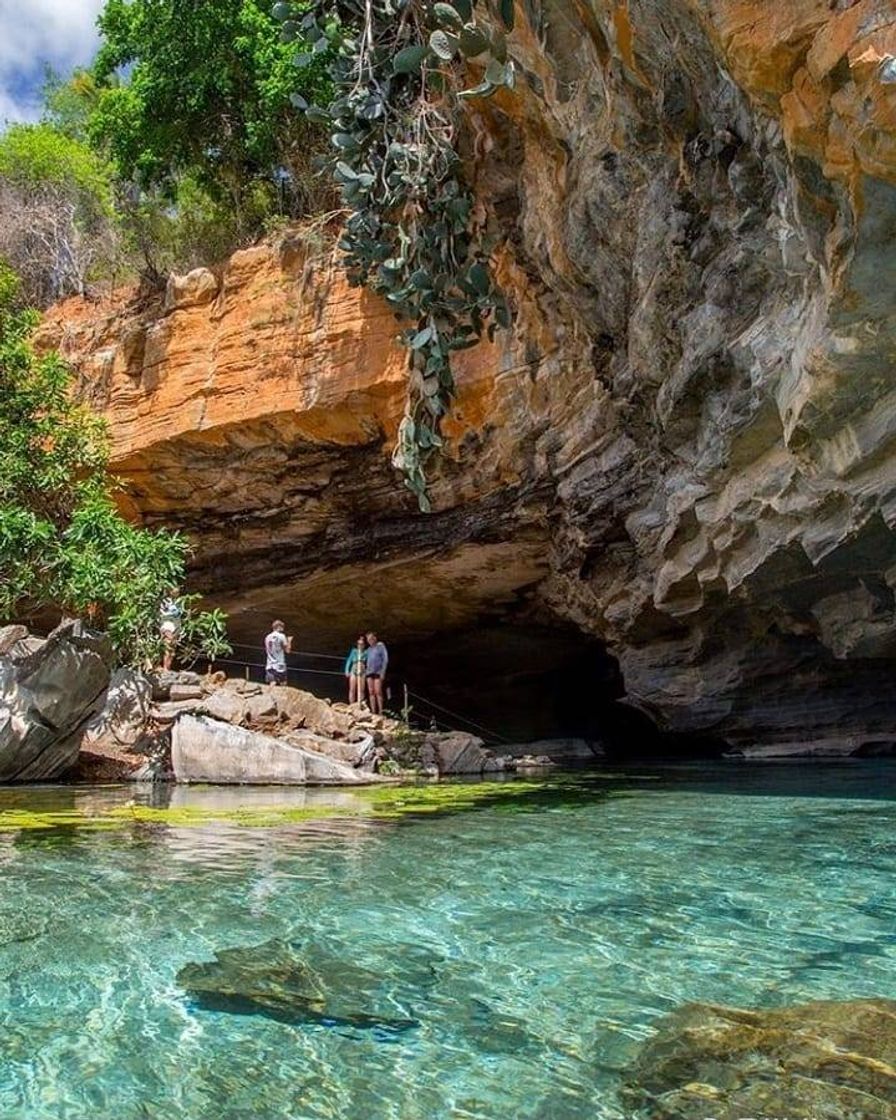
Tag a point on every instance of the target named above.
point(827, 1060)
point(49, 692)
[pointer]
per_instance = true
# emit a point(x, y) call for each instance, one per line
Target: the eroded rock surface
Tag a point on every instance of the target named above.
point(49, 693)
point(828, 1060)
point(207, 750)
point(236, 732)
point(685, 446)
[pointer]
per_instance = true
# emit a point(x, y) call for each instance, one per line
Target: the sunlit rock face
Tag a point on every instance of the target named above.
point(685, 446)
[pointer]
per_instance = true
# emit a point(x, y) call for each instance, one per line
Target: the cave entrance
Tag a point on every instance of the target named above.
point(508, 682)
point(515, 683)
point(467, 635)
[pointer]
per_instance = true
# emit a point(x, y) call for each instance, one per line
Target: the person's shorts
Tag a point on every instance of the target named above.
point(275, 676)
point(374, 676)
point(169, 630)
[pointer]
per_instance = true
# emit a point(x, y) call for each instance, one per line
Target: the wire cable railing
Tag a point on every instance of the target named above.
point(298, 671)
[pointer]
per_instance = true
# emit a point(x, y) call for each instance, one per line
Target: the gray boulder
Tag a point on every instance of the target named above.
point(457, 752)
point(123, 719)
point(565, 751)
point(163, 680)
point(49, 693)
point(206, 750)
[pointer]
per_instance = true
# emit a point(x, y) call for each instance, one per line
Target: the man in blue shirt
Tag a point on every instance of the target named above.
point(377, 663)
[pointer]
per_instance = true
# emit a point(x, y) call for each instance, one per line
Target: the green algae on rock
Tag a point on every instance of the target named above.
point(830, 1060)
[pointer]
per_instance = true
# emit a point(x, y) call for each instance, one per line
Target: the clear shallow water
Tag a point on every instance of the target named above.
point(535, 938)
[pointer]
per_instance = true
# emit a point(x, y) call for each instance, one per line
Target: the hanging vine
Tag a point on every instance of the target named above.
point(412, 233)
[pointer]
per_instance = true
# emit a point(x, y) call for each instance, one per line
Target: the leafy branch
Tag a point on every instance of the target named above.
point(413, 234)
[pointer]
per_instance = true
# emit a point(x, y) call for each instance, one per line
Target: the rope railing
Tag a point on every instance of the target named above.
point(296, 652)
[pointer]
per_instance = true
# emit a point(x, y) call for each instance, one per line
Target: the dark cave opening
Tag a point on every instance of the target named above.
point(517, 683)
point(511, 682)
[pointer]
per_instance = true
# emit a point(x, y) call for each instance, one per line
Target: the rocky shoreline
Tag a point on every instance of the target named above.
point(65, 714)
point(190, 728)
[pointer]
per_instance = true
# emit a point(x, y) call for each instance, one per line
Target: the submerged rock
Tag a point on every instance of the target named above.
point(827, 1060)
point(49, 692)
point(296, 984)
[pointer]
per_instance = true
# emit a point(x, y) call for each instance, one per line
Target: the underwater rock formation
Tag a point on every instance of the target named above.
point(684, 448)
point(827, 1060)
point(302, 984)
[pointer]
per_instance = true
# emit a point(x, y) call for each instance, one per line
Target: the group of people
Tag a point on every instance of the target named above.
point(365, 666)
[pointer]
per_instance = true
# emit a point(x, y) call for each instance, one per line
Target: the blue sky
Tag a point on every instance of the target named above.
point(36, 32)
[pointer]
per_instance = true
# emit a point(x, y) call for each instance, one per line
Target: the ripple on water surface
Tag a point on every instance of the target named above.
point(523, 939)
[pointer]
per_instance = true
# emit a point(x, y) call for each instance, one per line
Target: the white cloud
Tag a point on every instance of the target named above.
point(34, 33)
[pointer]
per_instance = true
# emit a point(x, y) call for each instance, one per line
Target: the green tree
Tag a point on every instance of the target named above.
point(161, 228)
point(57, 225)
point(205, 92)
point(178, 229)
point(69, 102)
point(63, 542)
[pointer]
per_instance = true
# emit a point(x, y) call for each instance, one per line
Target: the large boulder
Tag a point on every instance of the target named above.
point(207, 750)
point(827, 1060)
point(123, 719)
point(303, 709)
point(458, 752)
point(354, 752)
point(568, 751)
point(49, 693)
point(195, 289)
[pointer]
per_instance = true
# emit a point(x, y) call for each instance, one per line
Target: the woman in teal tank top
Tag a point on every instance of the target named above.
point(355, 665)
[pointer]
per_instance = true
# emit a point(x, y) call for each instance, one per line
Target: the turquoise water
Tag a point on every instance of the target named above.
point(533, 939)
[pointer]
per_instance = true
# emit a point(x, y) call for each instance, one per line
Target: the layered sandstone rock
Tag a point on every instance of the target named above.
point(683, 448)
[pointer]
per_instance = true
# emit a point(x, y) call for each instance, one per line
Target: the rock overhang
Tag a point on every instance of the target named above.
point(687, 435)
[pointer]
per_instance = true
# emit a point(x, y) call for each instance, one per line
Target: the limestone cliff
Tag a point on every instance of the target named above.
point(684, 448)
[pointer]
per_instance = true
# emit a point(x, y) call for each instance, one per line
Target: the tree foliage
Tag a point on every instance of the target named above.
point(57, 226)
point(179, 145)
point(63, 542)
point(69, 102)
point(205, 94)
point(413, 233)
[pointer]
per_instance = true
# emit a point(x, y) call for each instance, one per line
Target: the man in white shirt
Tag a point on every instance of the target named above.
point(276, 646)
point(170, 622)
